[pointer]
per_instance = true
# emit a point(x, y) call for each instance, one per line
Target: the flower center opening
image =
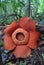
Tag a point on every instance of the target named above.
point(20, 36)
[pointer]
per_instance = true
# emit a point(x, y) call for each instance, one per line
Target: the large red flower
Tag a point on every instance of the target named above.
point(22, 37)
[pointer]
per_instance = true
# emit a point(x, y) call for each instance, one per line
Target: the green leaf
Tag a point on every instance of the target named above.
point(21, 63)
point(2, 43)
point(43, 55)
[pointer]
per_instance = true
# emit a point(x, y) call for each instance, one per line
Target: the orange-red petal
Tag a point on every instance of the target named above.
point(11, 27)
point(33, 38)
point(27, 24)
point(22, 51)
point(9, 44)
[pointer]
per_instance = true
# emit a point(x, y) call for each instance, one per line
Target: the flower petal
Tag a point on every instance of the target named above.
point(22, 51)
point(11, 27)
point(9, 44)
point(34, 37)
point(27, 23)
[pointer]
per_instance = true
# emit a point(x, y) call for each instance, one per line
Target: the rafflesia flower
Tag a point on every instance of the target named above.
point(22, 37)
